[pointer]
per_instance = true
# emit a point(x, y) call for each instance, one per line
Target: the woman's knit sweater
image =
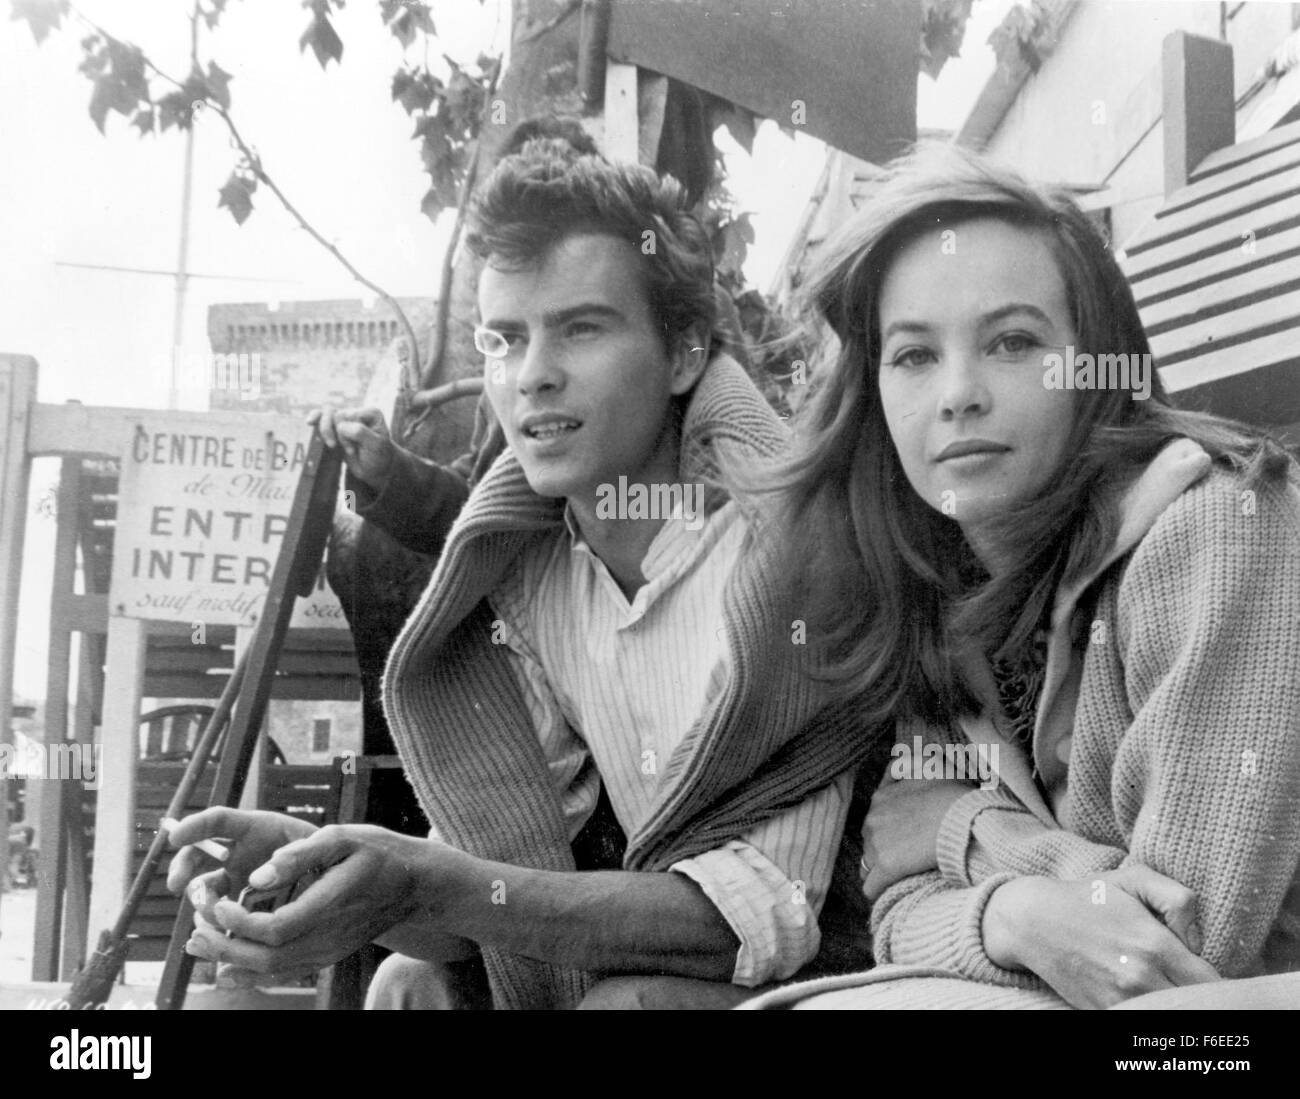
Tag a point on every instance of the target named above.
point(1167, 734)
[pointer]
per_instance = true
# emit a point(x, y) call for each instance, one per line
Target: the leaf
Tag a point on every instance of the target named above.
point(405, 18)
point(464, 103)
point(218, 85)
point(42, 16)
point(415, 91)
point(175, 109)
point(322, 38)
point(237, 196)
point(127, 64)
point(143, 121)
point(431, 205)
point(212, 14)
point(117, 72)
point(740, 123)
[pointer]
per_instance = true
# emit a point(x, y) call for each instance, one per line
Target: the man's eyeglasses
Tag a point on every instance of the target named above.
point(491, 343)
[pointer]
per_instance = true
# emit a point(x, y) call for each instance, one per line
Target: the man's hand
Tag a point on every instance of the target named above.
point(253, 836)
point(363, 433)
point(902, 827)
point(373, 880)
point(1101, 940)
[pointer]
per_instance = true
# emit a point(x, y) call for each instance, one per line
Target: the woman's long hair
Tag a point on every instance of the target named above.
point(889, 587)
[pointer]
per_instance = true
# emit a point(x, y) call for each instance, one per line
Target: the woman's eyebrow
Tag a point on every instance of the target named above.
point(1001, 313)
point(905, 327)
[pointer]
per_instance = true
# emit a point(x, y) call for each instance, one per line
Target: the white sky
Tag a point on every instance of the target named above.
point(333, 141)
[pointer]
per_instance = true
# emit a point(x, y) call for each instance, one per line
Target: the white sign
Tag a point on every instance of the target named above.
point(203, 504)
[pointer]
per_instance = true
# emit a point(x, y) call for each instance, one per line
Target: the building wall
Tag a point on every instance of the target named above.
point(307, 353)
point(1092, 113)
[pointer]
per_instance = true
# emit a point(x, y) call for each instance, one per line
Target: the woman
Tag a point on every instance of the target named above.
point(1102, 591)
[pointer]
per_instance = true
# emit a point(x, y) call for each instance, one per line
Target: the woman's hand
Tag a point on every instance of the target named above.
point(902, 828)
point(1101, 940)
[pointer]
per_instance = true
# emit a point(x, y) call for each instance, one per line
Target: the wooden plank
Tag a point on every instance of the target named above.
point(76, 902)
point(199, 660)
point(1272, 350)
point(1216, 330)
point(1279, 160)
point(1236, 156)
point(1268, 249)
point(1238, 201)
point(58, 682)
point(1281, 216)
point(621, 141)
point(298, 688)
point(17, 395)
point(114, 815)
point(85, 612)
point(81, 429)
point(1251, 283)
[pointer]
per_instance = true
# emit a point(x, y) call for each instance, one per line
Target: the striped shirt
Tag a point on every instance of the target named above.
point(613, 686)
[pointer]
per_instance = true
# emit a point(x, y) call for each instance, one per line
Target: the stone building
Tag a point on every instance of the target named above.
point(297, 356)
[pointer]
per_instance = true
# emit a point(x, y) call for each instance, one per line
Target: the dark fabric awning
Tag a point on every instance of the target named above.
point(852, 64)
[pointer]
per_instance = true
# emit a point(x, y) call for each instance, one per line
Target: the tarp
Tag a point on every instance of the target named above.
point(844, 71)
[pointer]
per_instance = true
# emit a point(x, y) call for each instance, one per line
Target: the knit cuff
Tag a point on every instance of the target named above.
point(953, 847)
point(945, 927)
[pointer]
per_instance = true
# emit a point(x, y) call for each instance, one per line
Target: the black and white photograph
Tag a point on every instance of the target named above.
point(650, 505)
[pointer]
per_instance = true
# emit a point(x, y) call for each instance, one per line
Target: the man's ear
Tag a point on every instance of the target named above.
point(689, 359)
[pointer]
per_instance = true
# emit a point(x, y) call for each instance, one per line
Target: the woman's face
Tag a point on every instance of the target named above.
point(966, 316)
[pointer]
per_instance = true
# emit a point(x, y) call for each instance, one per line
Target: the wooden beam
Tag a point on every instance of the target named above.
point(81, 429)
point(115, 811)
point(621, 141)
point(1199, 109)
point(53, 831)
point(17, 395)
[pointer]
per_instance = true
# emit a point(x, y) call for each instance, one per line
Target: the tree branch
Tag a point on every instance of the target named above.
point(254, 162)
point(438, 350)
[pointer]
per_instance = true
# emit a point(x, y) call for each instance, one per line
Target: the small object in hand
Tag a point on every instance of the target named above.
point(268, 900)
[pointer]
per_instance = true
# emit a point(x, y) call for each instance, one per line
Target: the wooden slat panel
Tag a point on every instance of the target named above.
point(302, 688)
point(1277, 217)
point(1278, 348)
point(1214, 185)
point(1270, 249)
point(1232, 287)
point(1235, 156)
point(1215, 330)
point(1239, 200)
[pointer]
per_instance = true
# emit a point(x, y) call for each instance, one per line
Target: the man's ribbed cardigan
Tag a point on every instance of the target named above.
point(462, 726)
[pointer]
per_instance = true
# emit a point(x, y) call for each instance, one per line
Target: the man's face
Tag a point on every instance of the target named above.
point(584, 389)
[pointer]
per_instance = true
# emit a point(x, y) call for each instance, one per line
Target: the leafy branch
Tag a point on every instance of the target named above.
point(449, 115)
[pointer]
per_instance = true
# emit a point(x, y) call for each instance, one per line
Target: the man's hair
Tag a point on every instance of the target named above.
point(550, 190)
point(561, 127)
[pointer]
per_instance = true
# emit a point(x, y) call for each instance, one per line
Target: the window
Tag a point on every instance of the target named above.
point(320, 734)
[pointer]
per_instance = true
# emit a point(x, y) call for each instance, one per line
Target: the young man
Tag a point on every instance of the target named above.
point(592, 624)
